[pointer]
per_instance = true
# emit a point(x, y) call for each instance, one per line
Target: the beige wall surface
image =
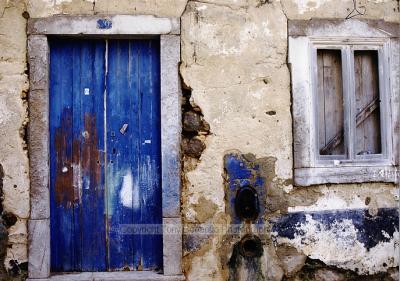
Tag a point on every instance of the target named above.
point(234, 71)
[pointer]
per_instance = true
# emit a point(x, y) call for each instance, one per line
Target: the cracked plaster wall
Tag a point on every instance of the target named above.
point(234, 60)
point(13, 118)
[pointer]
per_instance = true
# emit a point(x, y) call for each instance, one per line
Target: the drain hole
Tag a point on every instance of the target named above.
point(251, 246)
point(246, 203)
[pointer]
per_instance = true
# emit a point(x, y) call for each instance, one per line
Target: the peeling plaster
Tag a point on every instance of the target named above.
point(349, 240)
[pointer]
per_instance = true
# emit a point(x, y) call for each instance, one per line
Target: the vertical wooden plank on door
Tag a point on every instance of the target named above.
point(368, 130)
point(133, 153)
point(76, 150)
point(63, 243)
point(133, 86)
point(77, 179)
point(92, 155)
point(332, 123)
point(54, 122)
point(150, 150)
point(121, 167)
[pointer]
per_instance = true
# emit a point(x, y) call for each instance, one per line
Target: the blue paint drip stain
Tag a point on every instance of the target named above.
point(104, 24)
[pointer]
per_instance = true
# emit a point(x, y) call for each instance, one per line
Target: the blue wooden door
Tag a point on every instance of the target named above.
point(105, 155)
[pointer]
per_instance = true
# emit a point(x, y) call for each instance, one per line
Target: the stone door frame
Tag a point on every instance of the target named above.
point(118, 26)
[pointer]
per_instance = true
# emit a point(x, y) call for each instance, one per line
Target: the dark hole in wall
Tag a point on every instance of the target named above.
point(9, 219)
point(251, 246)
point(18, 271)
point(25, 15)
point(24, 137)
point(15, 269)
point(246, 203)
point(252, 265)
point(26, 71)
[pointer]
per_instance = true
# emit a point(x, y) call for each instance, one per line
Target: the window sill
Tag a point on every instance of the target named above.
point(323, 175)
point(360, 163)
point(112, 276)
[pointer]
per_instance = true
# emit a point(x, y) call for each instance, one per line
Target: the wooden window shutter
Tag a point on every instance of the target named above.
point(330, 103)
point(368, 128)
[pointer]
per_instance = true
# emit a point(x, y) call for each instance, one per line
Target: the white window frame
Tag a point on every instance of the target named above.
point(305, 38)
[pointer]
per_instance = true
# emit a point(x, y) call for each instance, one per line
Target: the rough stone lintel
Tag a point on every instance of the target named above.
point(104, 25)
point(38, 52)
point(172, 243)
point(170, 124)
point(316, 27)
point(39, 249)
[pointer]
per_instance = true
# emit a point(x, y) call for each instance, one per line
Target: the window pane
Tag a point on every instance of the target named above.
point(368, 129)
point(330, 103)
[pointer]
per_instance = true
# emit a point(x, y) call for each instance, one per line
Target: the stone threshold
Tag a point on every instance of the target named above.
point(112, 276)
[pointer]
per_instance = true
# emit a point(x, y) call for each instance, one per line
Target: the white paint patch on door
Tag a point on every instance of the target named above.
point(77, 180)
point(129, 194)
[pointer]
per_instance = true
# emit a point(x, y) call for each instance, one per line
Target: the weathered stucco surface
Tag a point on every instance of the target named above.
point(234, 69)
point(234, 62)
point(13, 118)
point(160, 8)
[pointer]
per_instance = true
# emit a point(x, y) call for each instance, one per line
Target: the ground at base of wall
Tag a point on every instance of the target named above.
point(315, 270)
point(7, 277)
